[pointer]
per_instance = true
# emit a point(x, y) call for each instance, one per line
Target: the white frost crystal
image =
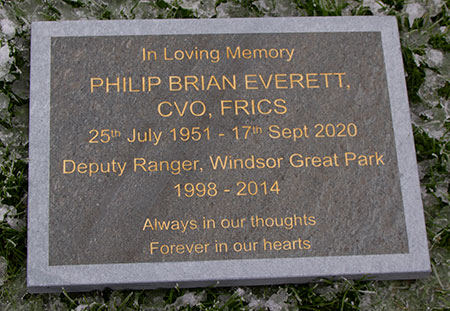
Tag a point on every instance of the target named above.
point(434, 57)
point(262, 5)
point(8, 213)
point(240, 292)
point(4, 102)
point(442, 192)
point(228, 9)
point(204, 8)
point(188, 299)
point(414, 10)
point(8, 28)
point(374, 6)
point(417, 59)
point(5, 62)
point(3, 266)
point(4, 209)
point(433, 81)
point(277, 302)
point(191, 5)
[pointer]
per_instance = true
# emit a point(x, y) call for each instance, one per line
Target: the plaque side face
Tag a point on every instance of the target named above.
point(217, 151)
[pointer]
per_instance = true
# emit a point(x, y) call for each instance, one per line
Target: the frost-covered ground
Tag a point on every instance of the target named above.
point(424, 28)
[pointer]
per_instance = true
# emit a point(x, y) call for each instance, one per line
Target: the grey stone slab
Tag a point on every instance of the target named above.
point(342, 198)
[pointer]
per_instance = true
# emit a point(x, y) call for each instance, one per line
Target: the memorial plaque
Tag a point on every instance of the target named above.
point(220, 152)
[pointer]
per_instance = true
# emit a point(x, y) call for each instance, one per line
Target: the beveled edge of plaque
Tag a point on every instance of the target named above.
point(44, 278)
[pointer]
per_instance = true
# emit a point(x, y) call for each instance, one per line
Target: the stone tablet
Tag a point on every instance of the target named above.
point(220, 152)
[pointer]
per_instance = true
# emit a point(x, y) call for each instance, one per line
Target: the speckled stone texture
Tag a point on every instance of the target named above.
point(99, 218)
point(353, 209)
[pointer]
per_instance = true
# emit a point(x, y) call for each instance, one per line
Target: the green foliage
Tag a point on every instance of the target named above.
point(442, 17)
point(50, 12)
point(445, 90)
point(397, 5)
point(415, 75)
point(362, 11)
point(172, 10)
point(74, 3)
point(438, 152)
point(317, 297)
point(440, 41)
point(322, 7)
point(345, 295)
point(443, 236)
point(13, 248)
